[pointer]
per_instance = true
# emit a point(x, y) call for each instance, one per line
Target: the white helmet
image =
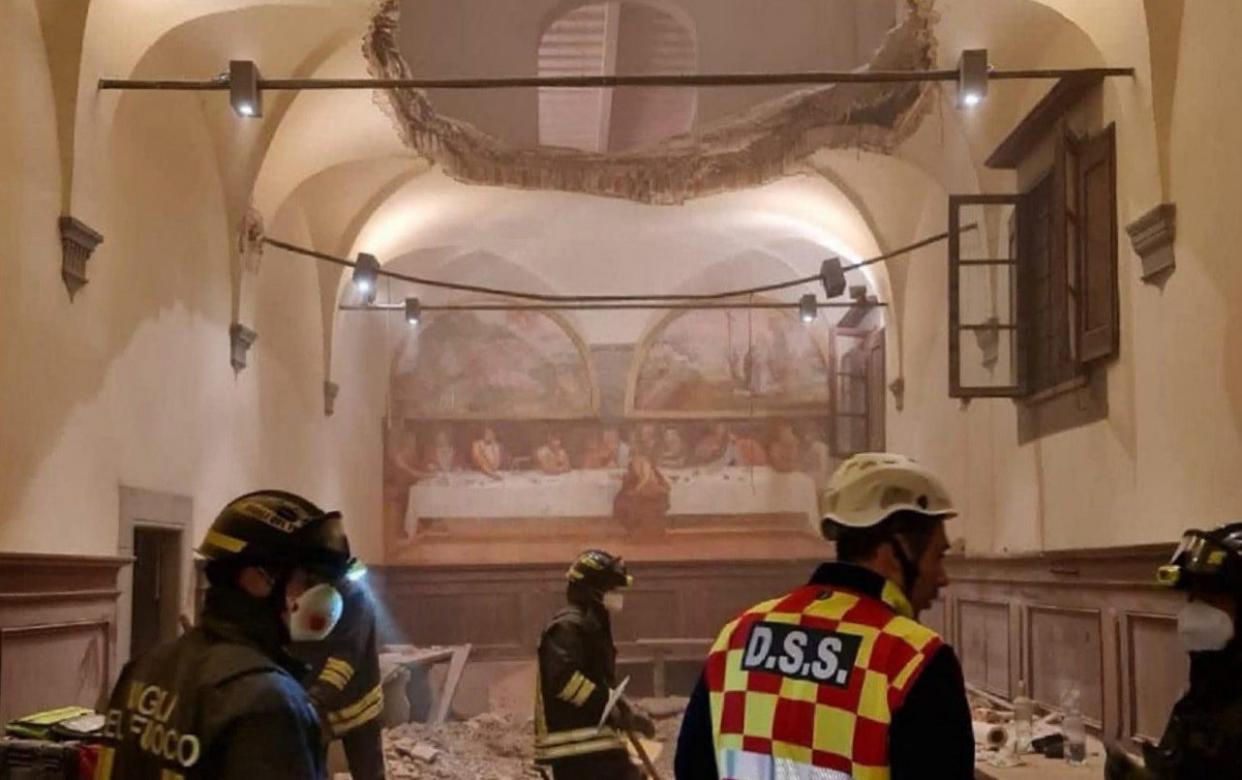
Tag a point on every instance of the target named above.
point(870, 487)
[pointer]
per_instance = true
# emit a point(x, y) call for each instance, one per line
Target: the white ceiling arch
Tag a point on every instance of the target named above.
point(308, 134)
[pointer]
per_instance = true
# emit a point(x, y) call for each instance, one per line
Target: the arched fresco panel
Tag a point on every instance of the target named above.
point(720, 362)
point(493, 365)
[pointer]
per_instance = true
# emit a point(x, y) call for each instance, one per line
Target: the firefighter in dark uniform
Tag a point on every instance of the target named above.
point(837, 678)
point(577, 672)
point(344, 681)
point(223, 701)
point(1203, 738)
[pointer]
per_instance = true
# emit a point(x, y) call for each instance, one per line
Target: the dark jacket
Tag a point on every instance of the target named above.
point(344, 678)
point(344, 682)
point(1204, 736)
point(577, 668)
point(220, 702)
point(930, 735)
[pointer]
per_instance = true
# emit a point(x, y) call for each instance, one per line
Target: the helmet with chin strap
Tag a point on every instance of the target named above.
point(871, 487)
point(876, 497)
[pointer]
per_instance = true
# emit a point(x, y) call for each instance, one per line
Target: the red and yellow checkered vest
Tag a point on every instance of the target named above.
point(805, 685)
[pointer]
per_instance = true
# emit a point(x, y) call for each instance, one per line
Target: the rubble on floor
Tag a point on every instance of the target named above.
point(495, 746)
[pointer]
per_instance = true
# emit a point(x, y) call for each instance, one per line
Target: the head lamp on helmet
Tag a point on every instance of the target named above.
point(1206, 560)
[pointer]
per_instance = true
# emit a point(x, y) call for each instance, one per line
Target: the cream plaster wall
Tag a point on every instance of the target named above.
point(131, 383)
point(1169, 454)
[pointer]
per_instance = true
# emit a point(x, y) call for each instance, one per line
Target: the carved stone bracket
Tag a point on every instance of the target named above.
point(1152, 236)
point(77, 241)
point(241, 339)
point(250, 240)
point(330, 390)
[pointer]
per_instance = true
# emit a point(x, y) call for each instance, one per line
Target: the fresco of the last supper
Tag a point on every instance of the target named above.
point(717, 418)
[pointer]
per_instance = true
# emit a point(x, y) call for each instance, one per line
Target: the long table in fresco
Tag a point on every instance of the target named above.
point(694, 491)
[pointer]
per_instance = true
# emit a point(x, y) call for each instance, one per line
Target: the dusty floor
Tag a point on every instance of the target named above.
point(493, 746)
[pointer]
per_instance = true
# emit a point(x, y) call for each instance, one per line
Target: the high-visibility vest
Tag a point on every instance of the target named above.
point(805, 686)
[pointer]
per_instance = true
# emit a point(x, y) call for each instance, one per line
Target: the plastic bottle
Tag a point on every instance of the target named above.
point(1075, 731)
point(1023, 720)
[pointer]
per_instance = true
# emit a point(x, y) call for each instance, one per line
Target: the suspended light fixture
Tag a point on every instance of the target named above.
point(972, 77)
point(808, 309)
point(244, 94)
point(413, 310)
point(832, 277)
point(366, 273)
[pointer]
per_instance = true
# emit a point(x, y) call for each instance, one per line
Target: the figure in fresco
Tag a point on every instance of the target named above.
point(552, 457)
point(620, 449)
point(601, 450)
point(644, 492)
point(673, 454)
point(485, 453)
point(816, 458)
point(443, 455)
point(625, 445)
point(714, 449)
point(401, 472)
point(783, 454)
point(648, 440)
point(747, 450)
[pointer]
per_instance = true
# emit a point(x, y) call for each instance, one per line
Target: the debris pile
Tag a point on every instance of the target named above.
point(495, 746)
point(487, 747)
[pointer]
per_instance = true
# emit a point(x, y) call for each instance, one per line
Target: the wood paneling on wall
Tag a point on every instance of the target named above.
point(1091, 619)
point(502, 609)
point(57, 631)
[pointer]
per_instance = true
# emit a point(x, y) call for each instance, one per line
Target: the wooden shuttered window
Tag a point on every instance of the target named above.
point(857, 391)
point(1047, 307)
point(985, 337)
point(1099, 332)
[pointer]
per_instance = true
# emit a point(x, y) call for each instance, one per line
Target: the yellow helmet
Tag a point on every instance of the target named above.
point(870, 487)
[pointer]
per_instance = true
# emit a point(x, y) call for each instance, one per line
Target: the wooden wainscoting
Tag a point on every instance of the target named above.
point(1090, 619)
point(57, 631)
point(501, 609)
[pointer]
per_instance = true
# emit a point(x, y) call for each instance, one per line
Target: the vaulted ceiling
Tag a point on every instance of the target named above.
point(350, 165)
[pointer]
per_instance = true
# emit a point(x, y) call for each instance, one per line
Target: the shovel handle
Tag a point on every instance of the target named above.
point(642, 755)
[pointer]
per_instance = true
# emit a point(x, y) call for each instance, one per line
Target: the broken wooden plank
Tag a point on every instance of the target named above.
point(461, 654)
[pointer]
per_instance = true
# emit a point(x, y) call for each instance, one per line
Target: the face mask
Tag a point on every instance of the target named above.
point(1203, 628)
point(314, 614)
point(613, 601)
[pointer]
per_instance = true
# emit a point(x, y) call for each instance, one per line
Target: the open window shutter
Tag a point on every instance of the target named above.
point(1098, 331)
point(849, 374)
point(875, 392)
point(985, 340)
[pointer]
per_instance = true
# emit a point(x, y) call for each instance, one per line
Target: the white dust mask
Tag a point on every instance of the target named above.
point(614, 600)
point(1203, 628)
point(314, 614)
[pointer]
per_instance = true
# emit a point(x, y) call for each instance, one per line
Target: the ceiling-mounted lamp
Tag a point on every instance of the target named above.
point(972, 77)
point(413, 310)
point(366, 273)
point(244, 93)
point(832, 276)
point(808, 309)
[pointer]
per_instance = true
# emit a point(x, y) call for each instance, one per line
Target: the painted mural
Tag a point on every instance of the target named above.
point(498, 418)
point(733, 360)
point(489, 364)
